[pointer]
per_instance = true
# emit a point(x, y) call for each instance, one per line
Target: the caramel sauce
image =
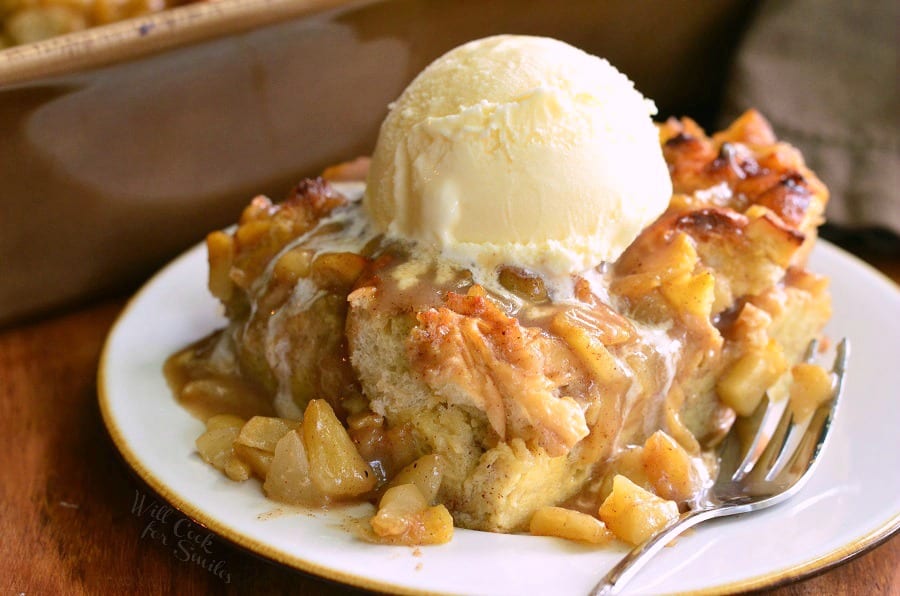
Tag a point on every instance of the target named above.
point(208, 384)
point(207, 377)
point(206, 391)
point(653, 361)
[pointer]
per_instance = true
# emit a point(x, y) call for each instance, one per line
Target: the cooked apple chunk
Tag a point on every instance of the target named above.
point(288, 479)
point(312, 464)
point(255, 444)
point(569, 524)
point(404, 517)
point(811, 387)
point(669, 468)
point(425, 473)
point(634, 514)
point(691, 294)
point(336, 468)
point(216, 446)
point(744, 383)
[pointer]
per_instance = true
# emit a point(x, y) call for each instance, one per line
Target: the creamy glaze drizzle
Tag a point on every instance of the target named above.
point(419, 279)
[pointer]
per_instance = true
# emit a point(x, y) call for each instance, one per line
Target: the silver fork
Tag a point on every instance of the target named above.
point(773, 466)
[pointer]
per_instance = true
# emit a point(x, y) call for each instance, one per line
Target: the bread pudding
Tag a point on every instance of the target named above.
point(357, 366)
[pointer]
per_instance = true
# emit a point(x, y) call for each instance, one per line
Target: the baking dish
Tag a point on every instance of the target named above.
point(122, 145)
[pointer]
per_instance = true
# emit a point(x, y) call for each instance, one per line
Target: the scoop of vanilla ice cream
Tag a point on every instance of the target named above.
point(522, 151)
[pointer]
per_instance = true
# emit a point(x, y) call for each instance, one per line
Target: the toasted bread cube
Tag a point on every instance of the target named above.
point(404, 517)
point(744, 382)
point(750, 128)
point(336, 468)
point(634, 514)
point(288, 479)
point(770, 235)
point(569, 524)
point(811, 386)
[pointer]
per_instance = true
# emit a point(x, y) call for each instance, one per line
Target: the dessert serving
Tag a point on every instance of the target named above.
point(533, 310)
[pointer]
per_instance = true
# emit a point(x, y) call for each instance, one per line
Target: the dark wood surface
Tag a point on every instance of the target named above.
point(69, 507)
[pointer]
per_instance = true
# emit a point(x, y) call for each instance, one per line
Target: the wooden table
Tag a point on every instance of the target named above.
point(68, 519)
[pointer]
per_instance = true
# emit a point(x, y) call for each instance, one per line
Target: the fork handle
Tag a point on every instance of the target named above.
point(626, 569)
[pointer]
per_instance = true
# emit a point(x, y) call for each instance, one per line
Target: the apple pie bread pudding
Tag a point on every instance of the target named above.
point(364, 360)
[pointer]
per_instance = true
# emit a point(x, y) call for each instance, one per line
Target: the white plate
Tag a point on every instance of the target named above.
point(851, 502)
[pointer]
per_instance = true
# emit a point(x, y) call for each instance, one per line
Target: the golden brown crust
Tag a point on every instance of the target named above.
point(755, 167)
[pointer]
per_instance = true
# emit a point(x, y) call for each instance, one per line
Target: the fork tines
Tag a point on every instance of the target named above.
point(779, 441)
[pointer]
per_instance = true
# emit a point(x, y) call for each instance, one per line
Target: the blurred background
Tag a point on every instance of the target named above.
point(119, 148)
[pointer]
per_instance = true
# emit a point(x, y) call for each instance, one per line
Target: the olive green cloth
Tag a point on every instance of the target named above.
point(825, 74)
